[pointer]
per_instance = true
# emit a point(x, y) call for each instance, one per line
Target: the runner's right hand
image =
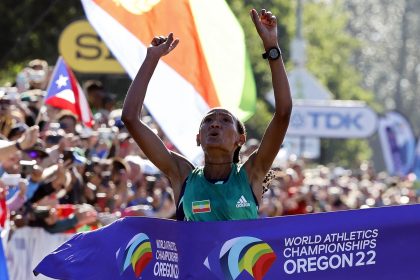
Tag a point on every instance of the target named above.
point(161, 45)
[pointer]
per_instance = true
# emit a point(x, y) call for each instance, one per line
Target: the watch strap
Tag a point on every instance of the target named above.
point(266, 55)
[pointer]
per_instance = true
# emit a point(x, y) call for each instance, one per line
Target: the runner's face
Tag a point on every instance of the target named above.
point(219, 129)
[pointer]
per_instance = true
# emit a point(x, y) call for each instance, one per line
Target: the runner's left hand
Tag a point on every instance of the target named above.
point(266, 24)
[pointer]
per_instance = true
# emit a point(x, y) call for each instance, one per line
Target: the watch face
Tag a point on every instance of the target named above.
point(274, 53)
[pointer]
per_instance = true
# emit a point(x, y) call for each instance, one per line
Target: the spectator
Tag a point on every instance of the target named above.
point(38, 74)
point(67, 121)
point(95, 93)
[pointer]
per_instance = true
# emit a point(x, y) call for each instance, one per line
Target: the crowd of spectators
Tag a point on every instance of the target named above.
point(63, 177)
point(300, 190)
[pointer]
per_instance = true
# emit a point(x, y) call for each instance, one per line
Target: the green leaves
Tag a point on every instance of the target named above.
point(330, 49)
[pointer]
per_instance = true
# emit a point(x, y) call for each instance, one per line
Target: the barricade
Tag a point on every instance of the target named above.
point(27, 247)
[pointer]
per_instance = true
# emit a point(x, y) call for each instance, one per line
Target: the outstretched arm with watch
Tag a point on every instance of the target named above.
point(261, 160)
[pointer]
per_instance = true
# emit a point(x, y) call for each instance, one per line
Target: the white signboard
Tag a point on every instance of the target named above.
point(332, 119)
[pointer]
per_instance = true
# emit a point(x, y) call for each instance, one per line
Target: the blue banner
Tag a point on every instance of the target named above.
point(380, 243)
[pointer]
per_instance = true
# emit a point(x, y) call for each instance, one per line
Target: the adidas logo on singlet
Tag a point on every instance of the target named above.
point(242, 202)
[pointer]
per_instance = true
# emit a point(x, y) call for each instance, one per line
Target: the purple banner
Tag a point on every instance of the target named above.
point(398, 143)
point(380, 243)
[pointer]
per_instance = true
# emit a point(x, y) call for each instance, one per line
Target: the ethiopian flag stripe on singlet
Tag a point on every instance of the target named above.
point(209, 68)
point(201, 206)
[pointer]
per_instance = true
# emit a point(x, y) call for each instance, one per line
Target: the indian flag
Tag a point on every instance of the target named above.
point(201, 206)
point(209, 68)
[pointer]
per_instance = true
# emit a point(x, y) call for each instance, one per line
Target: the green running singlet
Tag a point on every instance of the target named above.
point(231, 200)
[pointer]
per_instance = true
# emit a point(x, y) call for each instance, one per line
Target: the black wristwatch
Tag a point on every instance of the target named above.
point(272, 53)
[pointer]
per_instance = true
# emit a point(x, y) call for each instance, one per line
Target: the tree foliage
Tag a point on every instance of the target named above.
point(31, 29)
point(389, 58)
point(330, 49)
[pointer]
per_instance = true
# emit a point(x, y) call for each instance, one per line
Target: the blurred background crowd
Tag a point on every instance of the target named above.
point(63, 177)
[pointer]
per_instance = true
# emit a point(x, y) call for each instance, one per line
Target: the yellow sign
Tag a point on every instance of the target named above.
point(85, 52)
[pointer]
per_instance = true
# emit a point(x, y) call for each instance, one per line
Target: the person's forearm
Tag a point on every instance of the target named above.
point(266, 25)
point(282, 95)
point(137, 91)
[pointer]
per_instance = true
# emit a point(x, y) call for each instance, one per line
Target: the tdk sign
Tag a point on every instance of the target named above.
point(332, 119)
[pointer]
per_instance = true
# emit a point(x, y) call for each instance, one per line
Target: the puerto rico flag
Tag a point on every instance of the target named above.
point(64, 92)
